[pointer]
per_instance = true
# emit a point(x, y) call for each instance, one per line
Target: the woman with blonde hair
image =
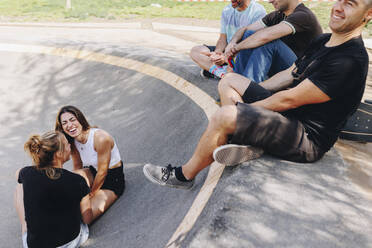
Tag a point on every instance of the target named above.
point(95, 154)
point(52, 203)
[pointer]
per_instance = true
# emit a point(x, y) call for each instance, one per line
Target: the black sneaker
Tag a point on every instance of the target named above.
point(231, 154)
point(206, 74)
point(165, 176)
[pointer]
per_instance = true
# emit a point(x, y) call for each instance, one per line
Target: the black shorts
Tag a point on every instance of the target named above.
point(211, 48)
point(114, 181)
point(276, 133)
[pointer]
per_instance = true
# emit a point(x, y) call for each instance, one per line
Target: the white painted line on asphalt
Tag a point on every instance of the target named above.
point(202, 99)
point(167, 26)
point(126, 25)
point(214, 175)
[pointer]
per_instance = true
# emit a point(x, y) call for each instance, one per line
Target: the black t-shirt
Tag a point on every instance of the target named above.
point(304, 24)
point(52, 207)
point(340, 72)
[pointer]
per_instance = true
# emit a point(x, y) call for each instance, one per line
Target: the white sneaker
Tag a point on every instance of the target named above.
point(231, 154)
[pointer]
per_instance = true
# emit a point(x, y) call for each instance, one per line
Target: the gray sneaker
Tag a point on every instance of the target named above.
point(231, 154)
point(165, 176)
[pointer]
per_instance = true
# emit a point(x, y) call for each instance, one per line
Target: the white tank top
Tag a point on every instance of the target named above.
point(89, 156)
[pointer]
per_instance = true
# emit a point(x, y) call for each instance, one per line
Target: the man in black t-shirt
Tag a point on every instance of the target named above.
point(297, 114)
point(273, 43)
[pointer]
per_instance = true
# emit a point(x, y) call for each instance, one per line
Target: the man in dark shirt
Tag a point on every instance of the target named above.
point(297, 114)
point(273, 43)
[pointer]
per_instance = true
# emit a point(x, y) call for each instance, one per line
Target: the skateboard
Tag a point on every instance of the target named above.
point(359, 125)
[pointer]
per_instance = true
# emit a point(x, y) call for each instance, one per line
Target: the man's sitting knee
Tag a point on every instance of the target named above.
point(229, 76)
point(197, 50)
point(226, 81)
point(194, 50)
point(223, 84)
point(225, 116)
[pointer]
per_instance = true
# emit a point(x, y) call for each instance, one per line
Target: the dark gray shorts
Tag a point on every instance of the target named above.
point(277, 134)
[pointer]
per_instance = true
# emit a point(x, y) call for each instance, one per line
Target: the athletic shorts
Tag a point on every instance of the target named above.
point(211, 48)
point(114, 181)
point(276, 133)
point(77, 242)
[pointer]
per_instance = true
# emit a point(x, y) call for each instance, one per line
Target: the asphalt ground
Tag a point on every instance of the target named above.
point(263, 203)
point(150, 120)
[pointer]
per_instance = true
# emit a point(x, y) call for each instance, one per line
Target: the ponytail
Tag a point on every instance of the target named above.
point(33, 146)
point(42, 149)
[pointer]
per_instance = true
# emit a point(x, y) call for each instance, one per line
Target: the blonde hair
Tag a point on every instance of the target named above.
point(42, 149)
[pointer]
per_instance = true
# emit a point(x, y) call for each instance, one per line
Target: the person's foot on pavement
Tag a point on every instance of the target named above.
point(167, 176)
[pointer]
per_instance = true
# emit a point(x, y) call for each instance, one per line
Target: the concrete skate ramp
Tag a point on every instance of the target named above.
point(143, 97)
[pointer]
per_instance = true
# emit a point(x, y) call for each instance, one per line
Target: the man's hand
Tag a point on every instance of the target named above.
point(231, 50)
point(218, 58)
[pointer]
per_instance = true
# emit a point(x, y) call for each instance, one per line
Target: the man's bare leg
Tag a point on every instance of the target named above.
point(232, 87)
point(198, 55)
point(222, 123)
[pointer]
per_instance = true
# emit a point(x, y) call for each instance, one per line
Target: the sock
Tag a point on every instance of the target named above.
point(179, 174)
point(217, 70)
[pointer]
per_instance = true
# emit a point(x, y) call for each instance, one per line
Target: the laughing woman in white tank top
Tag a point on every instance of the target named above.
point(96, 156)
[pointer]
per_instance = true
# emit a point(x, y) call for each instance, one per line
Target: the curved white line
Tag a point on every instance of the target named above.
point(203, 100)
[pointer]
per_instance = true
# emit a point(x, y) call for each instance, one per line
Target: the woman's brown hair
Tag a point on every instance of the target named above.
point(42, 149)
point(79, 116)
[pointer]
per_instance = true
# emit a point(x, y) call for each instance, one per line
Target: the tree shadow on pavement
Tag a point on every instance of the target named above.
point(273, 203)
point(150, 121)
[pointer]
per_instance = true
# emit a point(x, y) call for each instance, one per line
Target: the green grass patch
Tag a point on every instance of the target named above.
point(120, 10)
